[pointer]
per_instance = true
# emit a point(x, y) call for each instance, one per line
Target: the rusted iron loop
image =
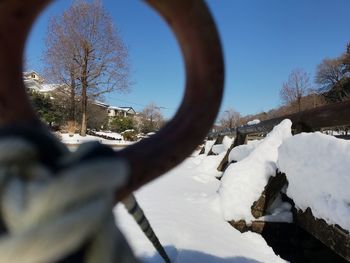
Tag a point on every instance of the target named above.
point(196, 33)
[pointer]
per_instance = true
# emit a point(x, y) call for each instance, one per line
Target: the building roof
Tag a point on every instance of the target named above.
point(101, 104)
point(125, 109)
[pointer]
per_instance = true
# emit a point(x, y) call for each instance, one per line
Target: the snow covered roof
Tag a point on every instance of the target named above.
point(32, 84)
point(30, 73)
point(125, 109)
point(256, 121)
point(101, 104)
point(49, 87)
point(42, 88)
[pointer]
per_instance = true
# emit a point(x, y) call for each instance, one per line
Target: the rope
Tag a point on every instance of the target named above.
point(46, 215)
point(137, 213)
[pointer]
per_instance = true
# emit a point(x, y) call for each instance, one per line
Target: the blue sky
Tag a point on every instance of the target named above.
point(263, 41)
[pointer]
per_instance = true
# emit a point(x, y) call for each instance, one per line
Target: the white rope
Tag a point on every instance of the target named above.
point(50, 216)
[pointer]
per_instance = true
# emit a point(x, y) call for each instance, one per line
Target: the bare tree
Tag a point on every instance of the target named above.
point(230, 119)
point(330, 73)
point(297, 86)
point(332, 76)
point(152, 118)
point(346, 59)
point(85, 52)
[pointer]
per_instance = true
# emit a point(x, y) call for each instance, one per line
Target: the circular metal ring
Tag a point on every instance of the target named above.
point(195, 30)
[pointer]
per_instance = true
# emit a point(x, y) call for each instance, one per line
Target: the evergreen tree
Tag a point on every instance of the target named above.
point(49, 110)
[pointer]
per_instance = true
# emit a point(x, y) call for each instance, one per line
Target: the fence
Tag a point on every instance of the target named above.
point(332, 236)
point(334, 115)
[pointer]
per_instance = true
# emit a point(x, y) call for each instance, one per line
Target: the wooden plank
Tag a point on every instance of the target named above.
point(344, 137)
point(337, 114)
point(333, 236)
point(202, 151)
point(291, 242)
point(239, 140)
point(268, 196)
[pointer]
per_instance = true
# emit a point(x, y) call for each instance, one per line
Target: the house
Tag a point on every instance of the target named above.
point(33, 75)
point(34, 81)
point(121, 111)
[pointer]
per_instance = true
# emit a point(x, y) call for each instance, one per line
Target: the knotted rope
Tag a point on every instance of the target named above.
point(46, 215)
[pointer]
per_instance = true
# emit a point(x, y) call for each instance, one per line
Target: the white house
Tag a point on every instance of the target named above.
point(32, 80)
point(121, 111)
point(33, 75)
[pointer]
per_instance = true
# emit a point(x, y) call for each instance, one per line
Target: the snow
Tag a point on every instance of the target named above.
point(242, 151)
point(185, 214)
point(218, 148)
point(77, 139)
point(278, 212)
point(227, 142)
point(317, 168)
point(49, 87)
point(206, 169)
point(208, 145)
point(114, 135)
point(253, 122)
point(224, 146)
point(243, 182)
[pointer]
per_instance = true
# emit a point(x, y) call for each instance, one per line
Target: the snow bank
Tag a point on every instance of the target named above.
point(206, 170)
point(244, 181)
point(253, 122)
point(114, 135)
point(224, 146)
point(227, 142)
point(77, 139)
point(242, 151)
point(317, 168)
point(208, 145)
point(218, 148)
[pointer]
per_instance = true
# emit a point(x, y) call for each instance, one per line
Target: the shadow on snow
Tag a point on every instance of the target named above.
point(192, 256)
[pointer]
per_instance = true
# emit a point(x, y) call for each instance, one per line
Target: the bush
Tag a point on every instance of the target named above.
point(120, 124)
point(130, 136)
point(48, 109)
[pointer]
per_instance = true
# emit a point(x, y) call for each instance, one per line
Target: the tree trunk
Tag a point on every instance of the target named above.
point(71, 116)
point(84, 86)
point(83, 110)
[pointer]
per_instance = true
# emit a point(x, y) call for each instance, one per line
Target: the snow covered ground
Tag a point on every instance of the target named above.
point(77, 139)
point(114, 135)
point(184, 210)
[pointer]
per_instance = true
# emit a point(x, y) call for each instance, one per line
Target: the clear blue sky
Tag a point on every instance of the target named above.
point(262, 41)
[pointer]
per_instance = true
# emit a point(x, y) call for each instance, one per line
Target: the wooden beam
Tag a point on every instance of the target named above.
point(218, 140)
point(239, 140)
point(268, 196)
point(337, 114)
point(333, 236)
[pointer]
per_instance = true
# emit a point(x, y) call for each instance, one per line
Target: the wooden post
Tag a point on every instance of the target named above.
point(239, 140)
point(218, 140)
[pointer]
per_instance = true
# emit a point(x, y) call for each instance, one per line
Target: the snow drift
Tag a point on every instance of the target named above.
point(244, 181)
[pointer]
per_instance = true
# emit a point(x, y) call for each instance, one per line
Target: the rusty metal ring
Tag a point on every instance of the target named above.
point(195, 30)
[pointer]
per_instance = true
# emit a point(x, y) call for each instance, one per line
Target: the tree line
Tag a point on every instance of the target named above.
point(54, 112)
point(298, 92)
